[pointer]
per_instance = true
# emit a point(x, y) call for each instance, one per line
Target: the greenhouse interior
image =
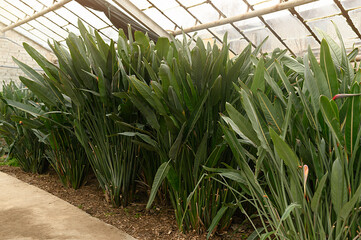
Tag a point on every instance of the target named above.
point(180, 119)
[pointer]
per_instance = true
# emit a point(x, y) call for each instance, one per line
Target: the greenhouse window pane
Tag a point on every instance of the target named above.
point(327, 26)
point(44, 30)
point(180, 17)
point(110, 33)
point(8, 15)
point(141, 4)
point(264, 4)
point(54, 27)
point(232, 33)
point(33, 4)
point(293, 29)
point(13, 10)
point(318, 9)
point(54, 17)
point(4, 20)
point(47, 3)
point(165, 4)
point(238, 45)
point(205, 13)
point(159, 18)
point(85, 14)
point(230, 8)
point(347, 4)
point(101, 15)
point(355, 15)
point(26, 26)
point(299, 45)
point(31, 36)
point(67, 15)
point(21, 6)
point(189, 3)
point(72, 29)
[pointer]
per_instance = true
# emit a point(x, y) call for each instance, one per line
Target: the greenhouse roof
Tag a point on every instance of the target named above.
point(291, 25)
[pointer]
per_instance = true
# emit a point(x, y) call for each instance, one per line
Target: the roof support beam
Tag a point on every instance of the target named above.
point(302, 20)
point(348, 19)
point(36, 15)
point(141, 17)
point(256, 13)
point(270, 28)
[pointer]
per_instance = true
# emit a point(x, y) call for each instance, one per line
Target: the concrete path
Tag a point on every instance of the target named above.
point(28, 213)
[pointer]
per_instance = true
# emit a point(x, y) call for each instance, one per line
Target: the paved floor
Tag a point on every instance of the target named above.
point(29, 213)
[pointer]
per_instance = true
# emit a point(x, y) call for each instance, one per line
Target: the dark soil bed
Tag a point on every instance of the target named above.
point(158, 223)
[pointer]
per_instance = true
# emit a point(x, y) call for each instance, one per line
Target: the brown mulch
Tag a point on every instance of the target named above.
point(158, 223)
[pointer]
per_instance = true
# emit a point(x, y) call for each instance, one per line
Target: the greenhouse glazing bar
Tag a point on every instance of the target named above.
point(36, 15)
point(141, 17)
point(256, 13)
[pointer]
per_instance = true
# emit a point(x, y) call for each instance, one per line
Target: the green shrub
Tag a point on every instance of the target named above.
point(23, 143)
point(297, 148)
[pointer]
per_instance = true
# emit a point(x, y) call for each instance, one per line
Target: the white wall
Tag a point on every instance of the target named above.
point(11, 46)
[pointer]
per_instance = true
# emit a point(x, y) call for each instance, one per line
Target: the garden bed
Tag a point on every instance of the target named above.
point(158, 223)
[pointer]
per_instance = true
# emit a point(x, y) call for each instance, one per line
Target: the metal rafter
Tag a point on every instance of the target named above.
point(36, 15)
point(51, 30)
point(136, 13)
point(171, 20)
point(28, 24)
point(270, 28)
point(247, 15)
point(344, 13)
point(302, 20)
point(232, 24)
point(84, 21)
point(68, 22)
point(56, 24)
point(197, 20)
point(36, 37)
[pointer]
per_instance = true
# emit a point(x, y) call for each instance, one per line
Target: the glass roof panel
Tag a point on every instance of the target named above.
point(204, 13)
point(324, 8)
point(230, 8)
point(56, 18)
point(355, 15)
point(347, 4)
point(232, 33)
point(180, 17)
point(327, 26)
point(31, 36)
point(33, 4)
point(10, 17)
point(141, 4)
point(21, 6)
point(44, 30)
point(238, 45)
point(110, 33)
point(46, 2)
point(69, 16)
point(162, 20)
point(51, 25)
point(189, 3)
point(13, 10)
point(4, 20)
point(165, 4)
point(101, 15)
point(263, 4)
point(85, 14)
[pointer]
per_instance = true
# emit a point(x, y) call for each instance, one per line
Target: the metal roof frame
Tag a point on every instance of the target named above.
point(129, 7)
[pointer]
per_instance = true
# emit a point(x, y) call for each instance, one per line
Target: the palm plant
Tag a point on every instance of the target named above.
point(297, 154)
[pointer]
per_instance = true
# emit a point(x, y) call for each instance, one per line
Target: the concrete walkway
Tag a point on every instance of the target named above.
point(27, 213)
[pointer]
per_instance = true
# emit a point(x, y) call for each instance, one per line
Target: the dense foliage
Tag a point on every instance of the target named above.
point(267, 134)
